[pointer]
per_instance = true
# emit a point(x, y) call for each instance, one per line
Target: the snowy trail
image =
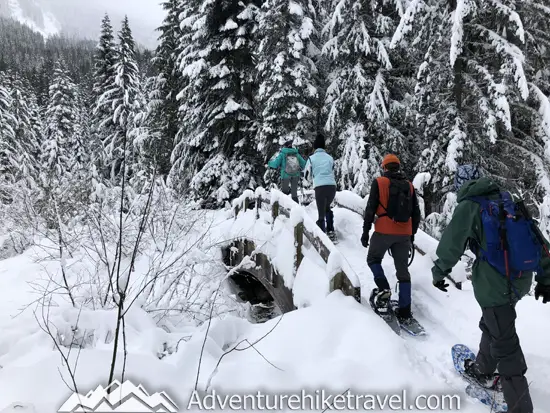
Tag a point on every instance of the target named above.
point(330, 343)
point(450, 317)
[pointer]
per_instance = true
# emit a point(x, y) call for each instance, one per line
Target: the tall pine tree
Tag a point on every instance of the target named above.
point(7, 139)
point(164, 103)
point(125, 97)
point(217, 155)
point(363, 104)
point(61, 133)
point(288, 92)
point(103, 82)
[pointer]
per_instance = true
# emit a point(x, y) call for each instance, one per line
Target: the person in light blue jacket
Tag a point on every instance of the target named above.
point(320, 166)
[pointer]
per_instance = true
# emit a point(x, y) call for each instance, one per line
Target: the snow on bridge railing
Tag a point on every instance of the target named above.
point(344, 199)
point(341, 276)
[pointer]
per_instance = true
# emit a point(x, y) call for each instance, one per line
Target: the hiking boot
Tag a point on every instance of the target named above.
point(489, 381)
point(382, 298)
point(332, 235)
point(403, 314)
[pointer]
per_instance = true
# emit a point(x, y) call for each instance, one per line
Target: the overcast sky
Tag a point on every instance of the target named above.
point(85, 16)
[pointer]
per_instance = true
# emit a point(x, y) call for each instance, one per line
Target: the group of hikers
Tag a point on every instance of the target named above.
point(319, 167)
point(509, 252)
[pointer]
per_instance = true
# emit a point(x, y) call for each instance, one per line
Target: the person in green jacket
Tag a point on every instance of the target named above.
point(291, 164)
point(499, 347)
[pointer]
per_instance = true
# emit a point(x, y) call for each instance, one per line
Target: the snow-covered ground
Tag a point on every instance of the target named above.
point(331, 343)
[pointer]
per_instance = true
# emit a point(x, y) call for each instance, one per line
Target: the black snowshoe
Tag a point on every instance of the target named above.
point(380, 303)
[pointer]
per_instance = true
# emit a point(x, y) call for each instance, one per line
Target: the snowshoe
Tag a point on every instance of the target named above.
point(464, 362)
point(380, 303)
point(490, 398)
point(408, 322)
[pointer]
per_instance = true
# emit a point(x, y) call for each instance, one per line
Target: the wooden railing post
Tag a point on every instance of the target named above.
point(258, 206)
point(298, 242)
point(275, 210)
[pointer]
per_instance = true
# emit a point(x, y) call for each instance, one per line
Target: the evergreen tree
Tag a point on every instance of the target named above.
point(186, 157)
point(219, 157)
point(168, 83)
point(124, 94)
point(363, 104)
point(7, 139)
point(27, 127)
point(103, 82)
point(472, 77)
point(288, 94)
point(531, 121)
point(61, 133)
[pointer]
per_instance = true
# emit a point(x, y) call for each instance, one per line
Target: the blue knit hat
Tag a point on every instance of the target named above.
point(465, 173)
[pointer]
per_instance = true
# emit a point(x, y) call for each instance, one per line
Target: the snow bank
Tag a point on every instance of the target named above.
point(332, 343)
point(352, 201)
point(240, 200)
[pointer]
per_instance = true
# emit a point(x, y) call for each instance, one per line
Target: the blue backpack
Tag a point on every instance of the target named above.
point(512, 245)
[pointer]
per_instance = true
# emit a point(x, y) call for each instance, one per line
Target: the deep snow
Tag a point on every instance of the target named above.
point(331, 342)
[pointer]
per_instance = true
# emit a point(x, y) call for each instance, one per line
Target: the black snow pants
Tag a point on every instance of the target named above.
point(399, 245)
point(324, 195)
point(500, 349)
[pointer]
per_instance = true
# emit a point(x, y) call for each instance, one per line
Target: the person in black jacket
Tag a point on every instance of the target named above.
point(394, 229)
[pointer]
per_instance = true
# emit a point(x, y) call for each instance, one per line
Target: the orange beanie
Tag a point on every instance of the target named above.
point(391, 158)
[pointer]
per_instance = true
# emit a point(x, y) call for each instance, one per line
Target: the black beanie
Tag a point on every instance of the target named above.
point(319, 142)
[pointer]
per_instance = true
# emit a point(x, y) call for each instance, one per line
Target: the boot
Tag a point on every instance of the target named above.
point(403, 314)
point(321, 224)
point(489, 381)
point(382, 298)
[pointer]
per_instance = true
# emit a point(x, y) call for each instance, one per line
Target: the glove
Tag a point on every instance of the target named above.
point(543, 291)
point(365, 239)
point(442, 285)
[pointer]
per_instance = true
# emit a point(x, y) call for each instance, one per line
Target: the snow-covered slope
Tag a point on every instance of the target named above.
point(83, 18)
point(332, 345)
point(32, 14)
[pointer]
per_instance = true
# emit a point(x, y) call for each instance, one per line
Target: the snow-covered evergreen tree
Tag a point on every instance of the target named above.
point(472, 76)
point(363, 104)
point(61, 132)
point(103, 82)
point(124, 95)
point(288, 93)
point(216, 155)
point(168, 83)
point(7, 139)
point(27, 127)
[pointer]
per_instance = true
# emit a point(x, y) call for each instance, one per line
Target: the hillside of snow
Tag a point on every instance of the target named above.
point(331, 344)
point(81, 18)
point(32, 14)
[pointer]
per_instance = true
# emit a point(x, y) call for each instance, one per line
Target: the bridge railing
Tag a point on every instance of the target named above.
point(341, 276)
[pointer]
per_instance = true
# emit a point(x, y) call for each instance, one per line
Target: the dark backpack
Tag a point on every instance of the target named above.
point(400, 202)
point(512, 245)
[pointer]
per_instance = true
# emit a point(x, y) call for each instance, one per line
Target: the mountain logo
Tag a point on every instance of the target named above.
point(119, 397)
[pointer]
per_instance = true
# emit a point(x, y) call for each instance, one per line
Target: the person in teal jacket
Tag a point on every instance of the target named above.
point(320, 166)
point(291, 164)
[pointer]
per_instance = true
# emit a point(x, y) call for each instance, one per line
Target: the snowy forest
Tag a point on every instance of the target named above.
point(437, 83)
